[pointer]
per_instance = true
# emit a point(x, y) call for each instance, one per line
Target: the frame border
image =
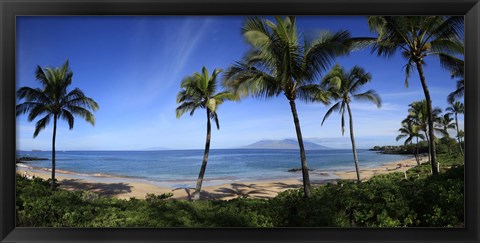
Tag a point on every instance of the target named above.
point(9, 9)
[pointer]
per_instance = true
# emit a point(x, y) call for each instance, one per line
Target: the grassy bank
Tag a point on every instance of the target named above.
point(383, 201)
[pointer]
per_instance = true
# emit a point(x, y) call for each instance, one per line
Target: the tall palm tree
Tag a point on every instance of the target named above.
point(200, 91)
point(418, 113)
point(344, 86)
point(53, 100)
point(455, 109)
point(281, 61)
point(409, 131)
point(418, 37)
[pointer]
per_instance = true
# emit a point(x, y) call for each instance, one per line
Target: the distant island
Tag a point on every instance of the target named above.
point(284, 144)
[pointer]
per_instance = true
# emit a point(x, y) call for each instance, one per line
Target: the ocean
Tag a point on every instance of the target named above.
point(179, 168)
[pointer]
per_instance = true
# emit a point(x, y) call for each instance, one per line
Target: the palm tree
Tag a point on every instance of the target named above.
point(200, 91)
point(418, 114)
point(281, 61)
point(445, 122)
point(455, 109)
point(344, 86)
point(53, 100)
point(418, 37)
point(410, 130)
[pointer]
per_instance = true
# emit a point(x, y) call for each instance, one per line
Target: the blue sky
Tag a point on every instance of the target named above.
point(133, 66)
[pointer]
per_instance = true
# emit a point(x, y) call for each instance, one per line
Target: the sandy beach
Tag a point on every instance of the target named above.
point(126, 188)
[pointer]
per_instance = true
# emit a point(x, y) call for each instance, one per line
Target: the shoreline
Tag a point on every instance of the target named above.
point(127, 187)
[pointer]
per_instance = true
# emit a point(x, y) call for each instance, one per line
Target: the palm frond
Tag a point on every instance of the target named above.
point(68, 117)
point(35, 95)
point(37, 110)
point(371, 96)
point(455, 65)
point(458, 92)
point(335, 107)
point(320, 53)
point(186, 107)
point(244, 80)
point(313, 93)
point(41, 124)
point(82, 112)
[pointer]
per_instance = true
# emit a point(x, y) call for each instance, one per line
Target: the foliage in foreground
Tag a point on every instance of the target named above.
point(384, 201)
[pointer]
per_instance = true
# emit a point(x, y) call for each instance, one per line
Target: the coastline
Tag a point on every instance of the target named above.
point(126, 187)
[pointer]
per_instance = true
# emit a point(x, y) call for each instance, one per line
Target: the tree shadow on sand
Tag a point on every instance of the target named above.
point(236, 190)
point(287, 186)
point(244, 191)
point(102, 189)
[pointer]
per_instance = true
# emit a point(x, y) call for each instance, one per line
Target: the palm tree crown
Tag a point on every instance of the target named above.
point(409, 131)
point(200, 91)
point(280, 61)
point(418, 114)
point(344, 86)
point(53, 100)
point(445, 123)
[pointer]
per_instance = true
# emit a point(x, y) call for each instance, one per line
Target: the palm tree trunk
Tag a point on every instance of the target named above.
point(198, 188)
point(433, 155)
point(458, 133)
point(303, 157)
point(448, 137)
point(428, 142)
point(355, 158)
point(416, 153)
point(52, 186)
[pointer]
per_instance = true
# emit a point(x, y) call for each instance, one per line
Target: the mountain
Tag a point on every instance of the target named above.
point(284, 144)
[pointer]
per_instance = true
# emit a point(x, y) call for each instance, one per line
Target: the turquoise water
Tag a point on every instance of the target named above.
point(181, 167)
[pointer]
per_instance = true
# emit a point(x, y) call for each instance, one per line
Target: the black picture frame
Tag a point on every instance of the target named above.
point(11, 8)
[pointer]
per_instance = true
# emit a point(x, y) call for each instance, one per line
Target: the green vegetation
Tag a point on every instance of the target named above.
point(199, 91)
point(53, 101)
point(388, 200)
point(344, 87)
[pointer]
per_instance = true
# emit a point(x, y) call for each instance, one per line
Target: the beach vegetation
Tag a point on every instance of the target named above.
point(344, 87)
point(53, 101)
point(199, 91)
point(281, 61)
point(418, 37)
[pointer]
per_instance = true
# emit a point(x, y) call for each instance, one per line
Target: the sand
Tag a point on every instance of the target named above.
point(125, 188)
